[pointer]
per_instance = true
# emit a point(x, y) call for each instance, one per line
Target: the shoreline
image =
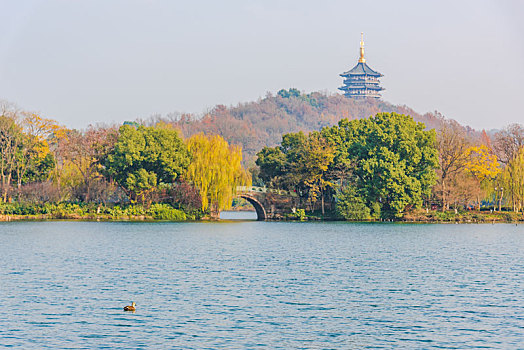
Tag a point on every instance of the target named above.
point(482, 219)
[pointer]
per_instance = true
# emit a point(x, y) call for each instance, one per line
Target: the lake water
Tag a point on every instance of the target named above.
point(271, 285)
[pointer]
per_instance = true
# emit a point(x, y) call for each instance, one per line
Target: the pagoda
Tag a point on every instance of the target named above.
point(361, 81)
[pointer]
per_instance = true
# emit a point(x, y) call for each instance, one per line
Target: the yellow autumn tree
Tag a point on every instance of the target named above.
point(216, 171)
point(483, 166)
point(35, 147)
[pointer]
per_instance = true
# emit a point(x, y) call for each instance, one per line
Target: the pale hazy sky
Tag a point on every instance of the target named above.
point(83, 62)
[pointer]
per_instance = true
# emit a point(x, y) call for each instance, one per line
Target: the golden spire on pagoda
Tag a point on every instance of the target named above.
point(361, 59)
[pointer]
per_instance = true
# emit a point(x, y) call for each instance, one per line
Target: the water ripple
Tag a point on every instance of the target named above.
point(241, 285)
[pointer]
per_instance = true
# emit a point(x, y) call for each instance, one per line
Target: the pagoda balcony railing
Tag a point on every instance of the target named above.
point(356, 93)
point(364, 95)
point(362, 86)
point(363, 83)
point(362, 80)
point(352, 88)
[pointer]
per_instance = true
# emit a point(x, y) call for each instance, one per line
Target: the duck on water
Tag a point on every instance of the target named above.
point(130, 307)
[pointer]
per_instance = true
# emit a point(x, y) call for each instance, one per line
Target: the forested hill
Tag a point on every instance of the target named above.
point(254, 125)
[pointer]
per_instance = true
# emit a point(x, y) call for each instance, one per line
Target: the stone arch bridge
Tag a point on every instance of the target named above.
point(268, 203)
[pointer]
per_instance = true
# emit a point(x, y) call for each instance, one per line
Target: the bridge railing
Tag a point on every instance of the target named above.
point(256, 189)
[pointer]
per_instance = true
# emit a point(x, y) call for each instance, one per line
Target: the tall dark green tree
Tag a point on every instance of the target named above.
point(146, 158)
point(394, 159)
point(271, 161)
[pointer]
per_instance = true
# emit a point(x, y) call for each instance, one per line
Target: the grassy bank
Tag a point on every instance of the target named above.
point(91, 211)
point(423, 216)
point(470, 216)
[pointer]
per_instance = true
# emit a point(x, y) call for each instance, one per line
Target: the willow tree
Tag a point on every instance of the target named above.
point(513, 180)
point(216, 171)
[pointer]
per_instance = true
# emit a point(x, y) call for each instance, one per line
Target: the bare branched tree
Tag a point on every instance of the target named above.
point(452, 143)
point(508, 142)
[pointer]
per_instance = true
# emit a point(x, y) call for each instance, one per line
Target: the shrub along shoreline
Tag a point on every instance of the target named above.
point(421, 216)
point(94, 212)
point(165, 212)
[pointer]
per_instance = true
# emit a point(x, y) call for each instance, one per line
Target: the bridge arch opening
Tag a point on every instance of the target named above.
point(259, 208)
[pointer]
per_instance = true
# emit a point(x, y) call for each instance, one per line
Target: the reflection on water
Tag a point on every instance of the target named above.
point(238, 215)
point(250, 284)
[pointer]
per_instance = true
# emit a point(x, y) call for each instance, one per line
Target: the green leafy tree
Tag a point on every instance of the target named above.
point(146, 158)
point(292, 92)
point(394, 159)
point(41, 171)
point(311, 162)
point(279, 165)
point(271, 161)
point(142, 182)
point(351, 206)
point(300, 165)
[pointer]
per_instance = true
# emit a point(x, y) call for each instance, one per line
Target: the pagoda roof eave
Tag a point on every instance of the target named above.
point(348, 74)
point(361, 69)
